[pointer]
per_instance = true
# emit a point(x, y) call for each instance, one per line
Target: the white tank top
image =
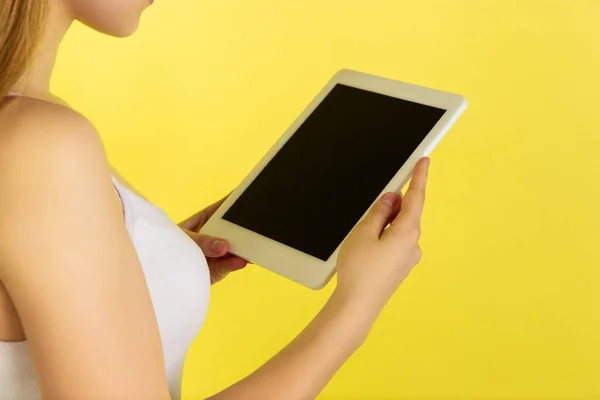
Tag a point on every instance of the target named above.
point(179, 284)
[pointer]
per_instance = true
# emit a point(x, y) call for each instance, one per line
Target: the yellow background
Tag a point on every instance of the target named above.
point(505, 302)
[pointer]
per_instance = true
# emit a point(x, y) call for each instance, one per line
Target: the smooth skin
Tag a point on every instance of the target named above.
point(71, 282)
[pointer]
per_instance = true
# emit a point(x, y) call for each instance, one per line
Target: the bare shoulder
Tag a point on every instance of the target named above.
point(39, 136)
point(51, 160)
point(27, 123)
point(25, 113)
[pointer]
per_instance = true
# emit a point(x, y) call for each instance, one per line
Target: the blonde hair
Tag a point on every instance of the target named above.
point(21, 27)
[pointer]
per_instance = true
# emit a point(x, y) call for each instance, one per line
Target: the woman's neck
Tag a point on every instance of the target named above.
point(36, 81)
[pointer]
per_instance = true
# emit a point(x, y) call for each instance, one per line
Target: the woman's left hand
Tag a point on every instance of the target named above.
point(220, 262)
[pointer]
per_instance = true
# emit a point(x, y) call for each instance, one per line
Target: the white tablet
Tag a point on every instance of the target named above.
point(359, 138)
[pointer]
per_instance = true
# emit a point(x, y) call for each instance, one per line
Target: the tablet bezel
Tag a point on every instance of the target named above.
point(294, 264)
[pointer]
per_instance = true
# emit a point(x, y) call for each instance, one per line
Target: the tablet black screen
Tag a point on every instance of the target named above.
point(319, 184)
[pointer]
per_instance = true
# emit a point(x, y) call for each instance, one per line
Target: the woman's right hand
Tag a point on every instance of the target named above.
point(373, 261)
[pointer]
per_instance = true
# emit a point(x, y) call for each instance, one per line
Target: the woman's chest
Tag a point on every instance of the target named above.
point(177, 278)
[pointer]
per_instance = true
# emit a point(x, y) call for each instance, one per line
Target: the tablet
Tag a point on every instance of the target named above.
point(360, 137)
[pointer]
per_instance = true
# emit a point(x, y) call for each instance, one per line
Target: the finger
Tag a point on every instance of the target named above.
point(414, 199)
point(210, 210)
point(381, 212)
point(217, 272)
point(210, 245)
point(221, 267)
point(228, 263)
point(196, 221)
point(397, 208)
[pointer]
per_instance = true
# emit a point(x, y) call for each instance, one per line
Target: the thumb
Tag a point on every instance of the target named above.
point(382, 211)
point(211, 246)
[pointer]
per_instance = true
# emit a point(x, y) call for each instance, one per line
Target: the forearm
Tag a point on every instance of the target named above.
point(302, 369)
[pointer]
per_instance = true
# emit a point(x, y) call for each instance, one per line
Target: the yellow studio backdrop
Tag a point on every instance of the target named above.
point(505, 303)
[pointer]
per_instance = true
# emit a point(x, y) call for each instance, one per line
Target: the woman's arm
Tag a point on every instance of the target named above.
point(372, 264)
point(303, 368)
point(68, 264)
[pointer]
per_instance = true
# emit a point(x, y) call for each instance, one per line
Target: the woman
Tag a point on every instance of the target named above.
point(100, 293)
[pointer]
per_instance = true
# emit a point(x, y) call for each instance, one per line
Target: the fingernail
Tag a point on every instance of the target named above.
point(390, 198)
point(219, 245)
